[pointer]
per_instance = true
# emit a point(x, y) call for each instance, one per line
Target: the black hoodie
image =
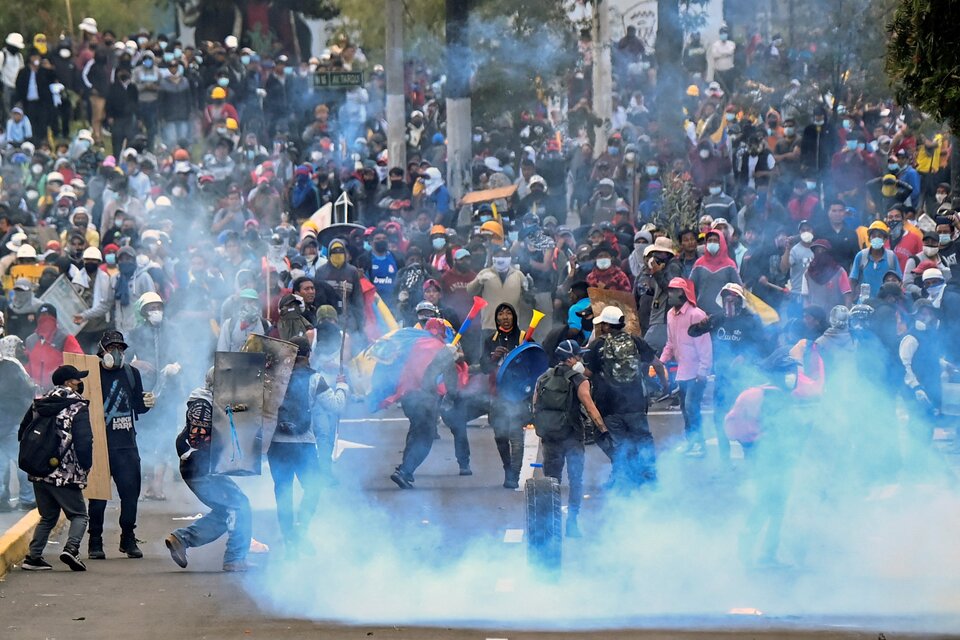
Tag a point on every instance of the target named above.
point(497, 338)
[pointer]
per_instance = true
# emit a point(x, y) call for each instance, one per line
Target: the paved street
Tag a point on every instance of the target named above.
point(447, 560)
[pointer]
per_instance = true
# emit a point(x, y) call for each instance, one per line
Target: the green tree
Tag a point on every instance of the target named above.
point(50, 16)
point(923, 63)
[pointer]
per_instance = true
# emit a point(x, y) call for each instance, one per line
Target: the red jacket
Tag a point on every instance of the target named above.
point(45, 348)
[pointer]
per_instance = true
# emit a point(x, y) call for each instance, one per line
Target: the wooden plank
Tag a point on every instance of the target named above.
point(98, 480)
point(489, 195)
point(600, 298)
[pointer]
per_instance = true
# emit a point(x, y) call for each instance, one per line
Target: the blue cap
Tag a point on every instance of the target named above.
point(567, 349)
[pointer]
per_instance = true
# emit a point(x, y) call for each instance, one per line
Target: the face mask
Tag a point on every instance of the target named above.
point(941, 197)
point(713, 248)
point(249, 313)
point(876, 243)
point(155, 317)
point(704, 154)
point(178, 192)
point(485, 218)
point(337, 259)
point(715, 191)
point(110, 258)
point(789, 131)
point(65, 53)
point(675, 298)
point(730, 116)
point(128, 268)
point(91, 267)
point(652, 171)
point(222, 82)
point(438, 243)
point(934, 289)
point(847, 125)
point(578, 367)
point(288, 71)
point(113, 359)
point(502, 263)
point(141, 41)
point(931, 251)
point(168, 57)
point(163, 45)
point(80, 387)
point(818, 123)
point(604, 263)
point(893, 166)
point(148, 63)
point(945, 238)
point(380, 246)
point(790, 380)
point(806, 237)
point(811, 186)
point(36, 169)
point(614, 151)
point(724, 37)
point(851, 145)
point(244, 60)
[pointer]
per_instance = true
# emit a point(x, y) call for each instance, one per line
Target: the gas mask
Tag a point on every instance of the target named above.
point(112, 358)
point(155, 317)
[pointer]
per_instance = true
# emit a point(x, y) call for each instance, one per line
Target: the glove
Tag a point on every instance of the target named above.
point(149, 400)
point(403, 296)
point(262, 93)
point(528, 283)
point(171, 369)
point(921, 396)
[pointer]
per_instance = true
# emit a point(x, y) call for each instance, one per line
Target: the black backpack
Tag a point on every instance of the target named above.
point(40, 444)
point(552, 412)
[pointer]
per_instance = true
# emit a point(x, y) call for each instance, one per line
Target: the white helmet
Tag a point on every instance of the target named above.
point(149, 298)
point(92, 253)
point(15, 40)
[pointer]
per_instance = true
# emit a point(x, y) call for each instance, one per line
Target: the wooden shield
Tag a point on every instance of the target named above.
point(98, 480)
point(600, 298)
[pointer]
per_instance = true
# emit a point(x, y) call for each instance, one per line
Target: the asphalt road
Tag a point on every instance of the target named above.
point(447, 560)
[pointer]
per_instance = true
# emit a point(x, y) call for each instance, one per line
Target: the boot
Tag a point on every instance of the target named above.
point(95, 548)
point(128, 545)
point(510, 479)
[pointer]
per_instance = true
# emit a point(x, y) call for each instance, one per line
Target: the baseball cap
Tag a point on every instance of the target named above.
point(22, 284)
point(111, 338)
point(47, 308)
point(610, 315)
point(26, 251)
point(67, 372)
point(567, 349)
point(326, 312)
point(248, 294)
point(460, 254)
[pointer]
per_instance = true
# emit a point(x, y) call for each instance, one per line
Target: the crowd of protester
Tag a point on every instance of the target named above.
point(177, 189)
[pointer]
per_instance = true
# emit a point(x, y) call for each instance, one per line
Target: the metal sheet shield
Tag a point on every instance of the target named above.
point(237, 413)
point(281, 356)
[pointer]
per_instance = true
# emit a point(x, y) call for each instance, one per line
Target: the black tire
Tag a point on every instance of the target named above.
point(544, 524)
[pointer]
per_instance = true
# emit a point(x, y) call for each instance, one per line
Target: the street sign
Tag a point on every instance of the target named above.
point(338, 79)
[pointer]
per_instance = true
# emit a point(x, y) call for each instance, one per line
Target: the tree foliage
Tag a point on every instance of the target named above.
point(923, 57)
point(50, 16)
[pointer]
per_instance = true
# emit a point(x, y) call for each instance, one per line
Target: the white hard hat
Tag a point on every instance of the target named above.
point(88, 25)
point(230, 42)
point(610, 315)
point(26, 251)
point(15, 40)
point(149, 298)
point(55, 176)
point(92, 253)
point(932, 274)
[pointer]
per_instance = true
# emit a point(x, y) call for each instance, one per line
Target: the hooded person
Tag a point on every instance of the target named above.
point(345, 280)
point(46, 345)
point(714, 269)
point(15, 395)
point(436, 193)
point(243, 323)
point(230, 509)
point(20, 317)
point(292, 323)
point(693, 355)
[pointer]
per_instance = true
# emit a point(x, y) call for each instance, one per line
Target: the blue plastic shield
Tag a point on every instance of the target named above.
point(519, 371)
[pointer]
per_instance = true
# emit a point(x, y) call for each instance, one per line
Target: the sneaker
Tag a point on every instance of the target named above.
point(70, 556)
point(465, 471)
point(95, 549)
point(695, 450)
point(401, 479)
point(510, 483)
point(178, 550)
point(239, 566)
point(27, 506)
point(35, 564)
point(128, 545)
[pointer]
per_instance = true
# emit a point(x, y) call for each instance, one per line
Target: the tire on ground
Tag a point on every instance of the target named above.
point(544, 520)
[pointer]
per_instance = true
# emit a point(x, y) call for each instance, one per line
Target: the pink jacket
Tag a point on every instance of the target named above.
point(694, 356)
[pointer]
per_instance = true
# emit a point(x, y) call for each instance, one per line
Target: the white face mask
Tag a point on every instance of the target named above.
point(578, 367)
point(790, 380)
point(155, 317)
point(704, 154)
point(931, 251)
point(502, 264)
point(941, 197)
point(806, 237)
point(715, 191)
point(604, 263)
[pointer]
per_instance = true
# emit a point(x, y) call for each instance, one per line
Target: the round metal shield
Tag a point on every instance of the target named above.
point(519, 371)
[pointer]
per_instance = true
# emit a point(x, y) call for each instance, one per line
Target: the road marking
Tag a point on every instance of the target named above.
point(531, 448)
point(512, 536)
point(359, 420)
point(343, 445)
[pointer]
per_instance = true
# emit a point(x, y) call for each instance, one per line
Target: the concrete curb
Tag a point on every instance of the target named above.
point(15, 541)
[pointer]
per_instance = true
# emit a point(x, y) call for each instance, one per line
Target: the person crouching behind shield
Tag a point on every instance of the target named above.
point(230, 508)
point(293, 450)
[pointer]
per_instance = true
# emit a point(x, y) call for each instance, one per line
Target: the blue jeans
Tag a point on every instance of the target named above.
point(230, 514)
point(691, 396)
point(174, 131)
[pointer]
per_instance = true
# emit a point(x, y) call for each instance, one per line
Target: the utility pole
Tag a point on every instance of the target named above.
point(602, 73)
point(459, 126)
point(396, 107)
